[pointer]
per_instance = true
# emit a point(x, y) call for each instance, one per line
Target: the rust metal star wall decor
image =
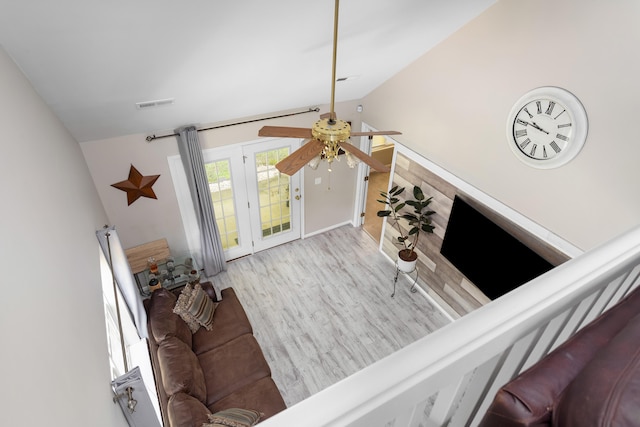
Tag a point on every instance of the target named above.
point(137, 185)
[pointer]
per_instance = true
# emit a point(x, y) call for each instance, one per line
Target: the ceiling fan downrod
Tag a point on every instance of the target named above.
point(332, 116)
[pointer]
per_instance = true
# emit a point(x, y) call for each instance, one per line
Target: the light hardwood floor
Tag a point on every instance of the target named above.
point(321, 308)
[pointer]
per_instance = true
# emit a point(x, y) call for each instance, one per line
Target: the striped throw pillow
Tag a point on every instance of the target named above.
point(201, 307)
point(234, 417)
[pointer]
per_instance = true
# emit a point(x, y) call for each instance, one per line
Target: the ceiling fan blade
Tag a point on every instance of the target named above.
point(374, 163)
point(381, 132)
point(285, 132)
point(296, 160)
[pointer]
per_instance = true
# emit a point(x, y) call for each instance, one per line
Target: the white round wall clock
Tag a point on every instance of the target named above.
point(547, 127)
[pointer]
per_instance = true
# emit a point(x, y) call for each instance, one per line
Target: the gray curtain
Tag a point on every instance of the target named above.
point(117, 259)
point(213, 260)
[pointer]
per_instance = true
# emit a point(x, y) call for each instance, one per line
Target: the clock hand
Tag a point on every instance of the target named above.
point(539, 128)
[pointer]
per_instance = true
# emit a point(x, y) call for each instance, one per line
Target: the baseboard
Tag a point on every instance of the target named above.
point(419, 286)
point(324, 230)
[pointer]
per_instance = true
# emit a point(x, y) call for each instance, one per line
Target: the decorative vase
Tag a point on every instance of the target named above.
point(407, 260)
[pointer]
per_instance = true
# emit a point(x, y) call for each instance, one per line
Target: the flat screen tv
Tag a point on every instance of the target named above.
point(491, 258)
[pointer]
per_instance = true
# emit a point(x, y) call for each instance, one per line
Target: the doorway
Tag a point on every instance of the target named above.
point(382, 149)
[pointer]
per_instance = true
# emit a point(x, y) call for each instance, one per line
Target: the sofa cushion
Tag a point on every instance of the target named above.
point(235, 417)
point(262, 395)
point(232, 366)
point(186, 411)
point(229, 322)
point(607, 390)
point(164, 323)
point(180, 369)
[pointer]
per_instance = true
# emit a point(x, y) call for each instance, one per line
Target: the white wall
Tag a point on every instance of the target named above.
point(53, 364)
point(149, 219)
point(452, 106)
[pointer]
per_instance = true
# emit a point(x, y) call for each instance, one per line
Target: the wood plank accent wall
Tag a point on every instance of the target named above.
point(439, 278)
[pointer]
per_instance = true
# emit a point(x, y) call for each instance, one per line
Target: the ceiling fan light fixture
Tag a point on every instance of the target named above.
point(352, 161)
point(313, 164)
point(331, 132)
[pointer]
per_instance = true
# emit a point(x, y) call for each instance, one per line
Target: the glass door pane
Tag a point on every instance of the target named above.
point(274, 193)
point(226, 175)
point(274, 197)
point(221, 187)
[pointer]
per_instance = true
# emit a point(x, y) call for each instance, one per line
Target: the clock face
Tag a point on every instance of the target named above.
point(547, 127)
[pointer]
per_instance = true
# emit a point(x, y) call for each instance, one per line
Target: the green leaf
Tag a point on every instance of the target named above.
point(413, 231)
point(428, 228)
point(383, 213)
point(399, 206)
point(409, 217)
point(417, 193)
point(395, 191)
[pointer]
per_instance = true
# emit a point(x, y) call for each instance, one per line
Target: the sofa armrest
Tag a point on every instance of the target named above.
point(186, 411)
point(210, 290)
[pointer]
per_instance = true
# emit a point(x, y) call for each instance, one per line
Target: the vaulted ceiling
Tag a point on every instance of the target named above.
point(92, 61)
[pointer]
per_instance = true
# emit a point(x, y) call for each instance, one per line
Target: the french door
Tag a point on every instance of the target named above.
point(274, 199)
point(256, 206)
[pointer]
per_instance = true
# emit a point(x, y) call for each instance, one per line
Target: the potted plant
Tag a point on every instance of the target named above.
point(419, 221)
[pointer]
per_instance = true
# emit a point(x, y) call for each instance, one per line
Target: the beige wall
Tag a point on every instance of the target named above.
point(452, 106)
point(54, 364)
point(149, 219)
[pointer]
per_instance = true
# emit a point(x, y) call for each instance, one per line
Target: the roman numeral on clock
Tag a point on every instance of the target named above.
point(562, 137)
point(555, 147)
point(533, 149)
point(520, 133)
point(524, 144)
point(550, 108)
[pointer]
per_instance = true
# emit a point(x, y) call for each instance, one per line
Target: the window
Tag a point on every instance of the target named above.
point(136, 349)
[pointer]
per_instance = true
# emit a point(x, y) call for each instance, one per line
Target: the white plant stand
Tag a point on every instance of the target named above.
point(413, 288)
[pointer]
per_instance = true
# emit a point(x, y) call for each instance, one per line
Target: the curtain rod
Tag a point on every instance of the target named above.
point(310, 110)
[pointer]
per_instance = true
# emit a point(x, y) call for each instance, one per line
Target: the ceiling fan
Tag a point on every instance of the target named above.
point(327, 136)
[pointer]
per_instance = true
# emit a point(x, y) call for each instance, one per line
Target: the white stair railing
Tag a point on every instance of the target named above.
point(449, 377)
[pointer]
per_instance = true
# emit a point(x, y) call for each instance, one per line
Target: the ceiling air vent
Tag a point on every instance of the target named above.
point(151, 104)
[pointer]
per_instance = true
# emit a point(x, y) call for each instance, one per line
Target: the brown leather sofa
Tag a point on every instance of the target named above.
point(210, 370)
point(593, 379)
